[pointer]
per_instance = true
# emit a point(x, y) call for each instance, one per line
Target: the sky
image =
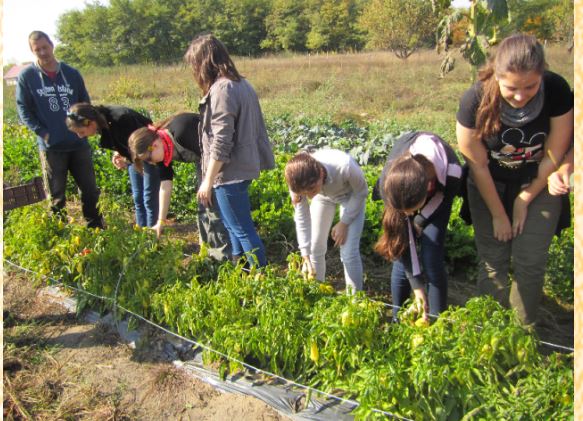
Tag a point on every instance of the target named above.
point(21, 17)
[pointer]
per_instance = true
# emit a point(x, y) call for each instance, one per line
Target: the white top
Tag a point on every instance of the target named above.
point(344, 183)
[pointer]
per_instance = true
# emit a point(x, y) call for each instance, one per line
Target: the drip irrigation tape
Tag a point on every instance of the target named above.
point(350, 402)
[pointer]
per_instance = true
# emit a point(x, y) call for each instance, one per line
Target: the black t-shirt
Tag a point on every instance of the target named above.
point(514, 146)
point(184, 130)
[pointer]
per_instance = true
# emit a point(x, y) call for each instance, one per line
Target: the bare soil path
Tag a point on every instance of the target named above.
point(59, 367)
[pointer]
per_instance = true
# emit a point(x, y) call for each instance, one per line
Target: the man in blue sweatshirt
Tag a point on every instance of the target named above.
point(45, 91)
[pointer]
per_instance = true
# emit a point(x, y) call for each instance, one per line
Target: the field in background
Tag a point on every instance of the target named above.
point(361, 87)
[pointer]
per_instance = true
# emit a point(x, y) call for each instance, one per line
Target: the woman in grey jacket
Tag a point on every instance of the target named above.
point(235, 147)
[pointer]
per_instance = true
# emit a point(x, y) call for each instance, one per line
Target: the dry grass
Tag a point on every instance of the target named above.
point(359, 86)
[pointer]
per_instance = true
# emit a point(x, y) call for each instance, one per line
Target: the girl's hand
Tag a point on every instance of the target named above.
point(519, 215)
point(502, 228)
point(421, 302)
point(308, 268)
point(118, 161)
point(338, 233)
point(559, 182)
point(158, 228)
point(205, 193)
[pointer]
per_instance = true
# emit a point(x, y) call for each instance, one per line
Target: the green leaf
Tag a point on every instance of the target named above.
point(498, 9)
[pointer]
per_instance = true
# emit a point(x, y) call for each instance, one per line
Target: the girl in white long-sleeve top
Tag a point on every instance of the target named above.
point(329, 178)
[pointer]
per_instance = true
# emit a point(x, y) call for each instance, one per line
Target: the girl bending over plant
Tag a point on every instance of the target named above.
point(418, 184)
point(329, 178)
point(176, 139)
point(115, 124)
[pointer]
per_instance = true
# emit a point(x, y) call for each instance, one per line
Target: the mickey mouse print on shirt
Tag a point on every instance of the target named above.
point(517, 147)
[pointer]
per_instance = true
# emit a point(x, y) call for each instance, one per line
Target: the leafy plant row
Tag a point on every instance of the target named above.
point(272, 209)
point(475, 361)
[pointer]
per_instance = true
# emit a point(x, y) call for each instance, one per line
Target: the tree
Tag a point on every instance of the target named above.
point(286, 26)
point(144, 31)
point(333, 25)
point(486, 17)
point(400, 26)
point(532, 17)
point(563, 14)
point(85, 36)
point(239, 25)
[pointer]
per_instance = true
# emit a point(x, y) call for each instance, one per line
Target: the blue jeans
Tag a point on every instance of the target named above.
point(432, 259)
point(145, 189)
point(235, 209)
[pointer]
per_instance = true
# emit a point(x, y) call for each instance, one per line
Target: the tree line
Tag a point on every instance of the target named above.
point(158, 31)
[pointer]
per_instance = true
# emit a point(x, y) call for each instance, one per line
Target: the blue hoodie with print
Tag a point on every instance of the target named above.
point(43, 104)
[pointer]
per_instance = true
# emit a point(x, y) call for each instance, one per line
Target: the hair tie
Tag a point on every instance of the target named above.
point(152, 128)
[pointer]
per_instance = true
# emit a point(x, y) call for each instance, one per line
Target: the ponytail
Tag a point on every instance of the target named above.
point(395, 237)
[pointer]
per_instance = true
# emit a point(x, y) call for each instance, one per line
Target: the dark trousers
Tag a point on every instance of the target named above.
point(211, 229)
point(56, 165)
point(526, 254)
point(432, 259)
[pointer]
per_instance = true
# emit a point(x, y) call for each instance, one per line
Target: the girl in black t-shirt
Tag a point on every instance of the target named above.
point(115, 124)
point(176, 139)
point(513, 128)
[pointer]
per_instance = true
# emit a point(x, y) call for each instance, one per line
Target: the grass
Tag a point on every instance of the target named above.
point(362, 87)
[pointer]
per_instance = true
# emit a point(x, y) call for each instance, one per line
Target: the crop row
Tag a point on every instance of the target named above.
point(474, 361)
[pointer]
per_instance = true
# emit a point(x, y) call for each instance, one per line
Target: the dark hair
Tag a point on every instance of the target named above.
point(302, 172)
point(82, 113)
point(518, 53)
point(404, 187)
point(36, 35)
point(209, 59)
point(141, 140)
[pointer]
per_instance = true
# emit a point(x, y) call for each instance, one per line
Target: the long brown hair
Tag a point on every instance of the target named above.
point(209, 59)
point(82, 113)
point(404, 187)
point(302, 172)
point(141, 140)
point(518, 53)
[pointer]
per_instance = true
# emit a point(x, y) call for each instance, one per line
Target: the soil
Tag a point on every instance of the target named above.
point(58, 367)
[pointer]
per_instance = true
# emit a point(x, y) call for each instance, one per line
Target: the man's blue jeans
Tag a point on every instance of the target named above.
point(432, 259)
point(235, 209)
point(145, 190)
